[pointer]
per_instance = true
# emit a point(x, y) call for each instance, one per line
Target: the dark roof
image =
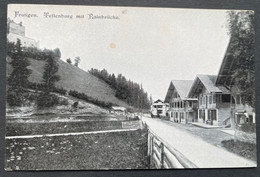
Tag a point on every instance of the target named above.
point(226, 66)
point(158, 101)
point(208, 81)
point(182, 87)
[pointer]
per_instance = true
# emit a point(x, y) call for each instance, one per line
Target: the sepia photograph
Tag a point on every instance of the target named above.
point(108, 88)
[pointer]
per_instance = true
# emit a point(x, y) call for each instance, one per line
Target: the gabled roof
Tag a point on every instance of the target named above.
point(182, 87)
point(226, 68)
point(208, 81)
point(157, 101)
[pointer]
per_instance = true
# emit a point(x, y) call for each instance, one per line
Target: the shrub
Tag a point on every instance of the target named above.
point(14, 98)
point(63, 101)
point(84, 97)
point(60, 90)
point(75, 104)
point(47, 100)
point(36, 86)
point(248, 127)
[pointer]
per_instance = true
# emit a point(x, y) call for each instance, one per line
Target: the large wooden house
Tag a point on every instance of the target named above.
point(213, 101)
point(181, 107)
point(240, 113)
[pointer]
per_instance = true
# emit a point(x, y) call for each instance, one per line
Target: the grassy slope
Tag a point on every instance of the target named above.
point(73, 78)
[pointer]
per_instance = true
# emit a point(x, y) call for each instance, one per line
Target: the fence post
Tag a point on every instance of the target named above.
point(162, 155)
point(151, 156)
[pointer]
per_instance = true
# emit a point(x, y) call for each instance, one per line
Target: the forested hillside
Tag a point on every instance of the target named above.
point(126, 90)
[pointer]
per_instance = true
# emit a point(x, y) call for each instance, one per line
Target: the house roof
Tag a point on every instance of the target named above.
point(181, 86)
point(225, 70)
point(157, 101)
point(208, 81)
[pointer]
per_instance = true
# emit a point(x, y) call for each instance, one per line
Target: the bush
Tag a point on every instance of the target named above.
point(63, 101)
point(61, 91)
point(36, 86)
point(41, 87)
point(47, 100)
point(84, 97)
point(14, 98)
point(75, 104)
point(248, 127)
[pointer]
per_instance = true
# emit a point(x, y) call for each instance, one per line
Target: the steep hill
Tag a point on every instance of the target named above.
point(74, 78)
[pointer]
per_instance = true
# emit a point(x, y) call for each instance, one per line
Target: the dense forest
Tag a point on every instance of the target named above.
point(126, 90)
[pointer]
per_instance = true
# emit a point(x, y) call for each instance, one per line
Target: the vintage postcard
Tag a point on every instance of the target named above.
point(95, 87)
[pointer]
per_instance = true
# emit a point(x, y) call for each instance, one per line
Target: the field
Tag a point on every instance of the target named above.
point(117, 150)
point(19, 129)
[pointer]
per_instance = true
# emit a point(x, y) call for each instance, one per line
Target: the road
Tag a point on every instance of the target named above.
point(198, 151)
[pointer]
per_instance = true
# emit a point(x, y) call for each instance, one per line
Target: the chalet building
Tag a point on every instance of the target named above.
point(213, 102)
point(16, 31)
point(159, 108)
point(182, 108)
point(240, 113)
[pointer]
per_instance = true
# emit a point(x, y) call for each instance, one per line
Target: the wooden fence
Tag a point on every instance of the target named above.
point(162, 155)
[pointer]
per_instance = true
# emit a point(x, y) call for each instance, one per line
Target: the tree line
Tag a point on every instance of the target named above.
point(126, 90)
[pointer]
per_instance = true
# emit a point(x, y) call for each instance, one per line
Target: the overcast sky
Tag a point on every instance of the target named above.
point(151, 46)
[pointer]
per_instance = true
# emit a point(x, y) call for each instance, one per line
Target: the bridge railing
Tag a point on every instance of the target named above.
point(162, 155)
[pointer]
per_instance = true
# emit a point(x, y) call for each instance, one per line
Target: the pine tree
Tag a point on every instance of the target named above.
point(50, 71)
point(19, 76)
point(18, 80)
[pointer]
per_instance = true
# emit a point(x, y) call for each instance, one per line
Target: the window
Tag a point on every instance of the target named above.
point(226, 98)
point(200, 100)
point(250, 119)
point(202, 114)
point(210, 99)
point(214, 98)
point(204, 100)
point(212, 114)
point(171, 114)
point(182, 115)
point(176, 115)
point(190, 104)
point(159, 111)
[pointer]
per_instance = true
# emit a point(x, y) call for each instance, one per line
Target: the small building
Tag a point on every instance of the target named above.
point(182, 109)
point(159, 108)
point(16, 31)
point(213, 102)
point(118, 110)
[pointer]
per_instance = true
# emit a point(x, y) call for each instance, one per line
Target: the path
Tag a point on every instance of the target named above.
point(198, 151)
point(212, 136)
point(67, 134)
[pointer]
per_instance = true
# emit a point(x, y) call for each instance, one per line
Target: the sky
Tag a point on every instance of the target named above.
point(150, 46)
